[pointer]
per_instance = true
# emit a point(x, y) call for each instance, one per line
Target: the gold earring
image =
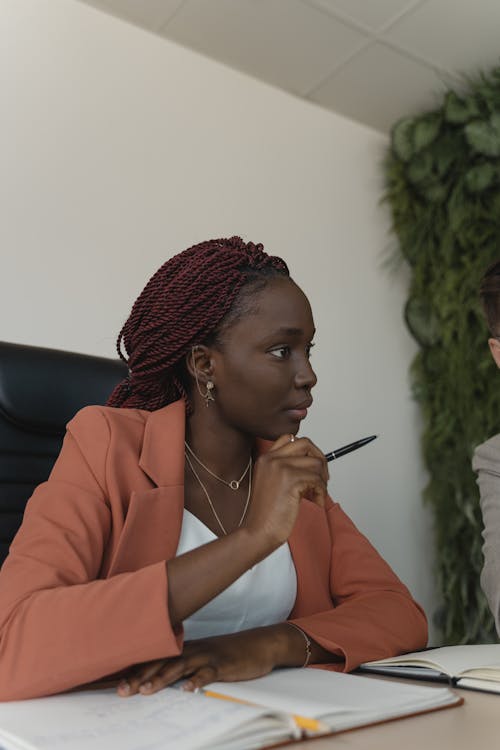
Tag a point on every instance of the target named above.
point(208, 395)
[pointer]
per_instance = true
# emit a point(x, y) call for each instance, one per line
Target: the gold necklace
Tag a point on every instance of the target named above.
point(234, 484)
point(210, 501)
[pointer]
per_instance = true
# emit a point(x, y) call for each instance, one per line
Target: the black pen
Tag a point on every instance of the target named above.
point(348, 448)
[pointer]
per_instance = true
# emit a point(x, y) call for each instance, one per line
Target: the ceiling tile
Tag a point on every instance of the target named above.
point(373, 15)
point(379, 86)
point(150, 14)
point(284, 42)
point(460, 37)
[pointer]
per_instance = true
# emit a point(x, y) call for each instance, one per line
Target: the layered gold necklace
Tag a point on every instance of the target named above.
point(233, 484)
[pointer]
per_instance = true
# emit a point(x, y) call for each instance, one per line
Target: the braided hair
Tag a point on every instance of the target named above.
point(489, 293)
point(190, 300)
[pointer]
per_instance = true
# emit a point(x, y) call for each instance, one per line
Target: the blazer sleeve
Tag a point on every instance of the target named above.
point(486, 462)
point(60, 625)
point(373, 615)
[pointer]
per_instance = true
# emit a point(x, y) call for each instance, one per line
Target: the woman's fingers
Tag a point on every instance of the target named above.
point(169, 674)
point(300, 447)
point(142, 679)
point(197, 670)
point(282, 441)
point(200, 678)
point(283, 476)
point(156, 675)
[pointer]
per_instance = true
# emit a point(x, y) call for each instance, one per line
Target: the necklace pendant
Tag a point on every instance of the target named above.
point(234, 484)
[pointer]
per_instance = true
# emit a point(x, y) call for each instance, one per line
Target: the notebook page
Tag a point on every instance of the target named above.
point(316, 693)
point(485, 686)
point(452, 660)
point(104, 721)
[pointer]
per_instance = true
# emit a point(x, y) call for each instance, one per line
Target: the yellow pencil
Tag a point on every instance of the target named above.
point(313, 725)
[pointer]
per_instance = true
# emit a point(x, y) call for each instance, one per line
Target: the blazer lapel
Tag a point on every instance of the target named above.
point(151, 531)
point(154, 517)
point(162, 454)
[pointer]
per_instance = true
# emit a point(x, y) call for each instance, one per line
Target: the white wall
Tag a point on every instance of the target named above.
point(118, 149)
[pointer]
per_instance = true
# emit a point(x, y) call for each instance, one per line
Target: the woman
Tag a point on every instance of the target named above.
point(486, 460)
point(185, 532)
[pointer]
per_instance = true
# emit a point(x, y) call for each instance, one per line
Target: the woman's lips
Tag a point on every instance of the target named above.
point(297, 414)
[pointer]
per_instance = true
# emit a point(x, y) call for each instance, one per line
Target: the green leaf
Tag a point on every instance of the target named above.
point(457, 208)
point(435, 192)
point(421, 321)
point(426, 131)
point(484, 136)
point(480, 177)
point(458, 110)
point(402, 139)
point(447, 151)
point(420, 168)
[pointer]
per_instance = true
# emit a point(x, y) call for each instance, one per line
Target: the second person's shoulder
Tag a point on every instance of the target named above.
point(487, 455)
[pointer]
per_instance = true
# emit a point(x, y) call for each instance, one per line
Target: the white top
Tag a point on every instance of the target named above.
point(264, 595)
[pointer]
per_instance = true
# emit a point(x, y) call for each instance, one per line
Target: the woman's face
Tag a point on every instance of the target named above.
point(262, 373)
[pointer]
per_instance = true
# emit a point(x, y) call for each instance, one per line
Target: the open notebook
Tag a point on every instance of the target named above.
point(472, 667)
point(292, 703)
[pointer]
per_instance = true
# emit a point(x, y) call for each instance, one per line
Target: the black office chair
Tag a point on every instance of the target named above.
point(40, 391)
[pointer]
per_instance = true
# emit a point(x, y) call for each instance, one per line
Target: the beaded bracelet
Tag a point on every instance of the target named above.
point(308, 643)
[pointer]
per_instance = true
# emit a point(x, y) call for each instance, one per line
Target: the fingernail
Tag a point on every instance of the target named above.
point(124, 687)
point(145, 687)
point(188, 686)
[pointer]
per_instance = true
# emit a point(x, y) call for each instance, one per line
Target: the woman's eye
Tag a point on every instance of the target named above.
point(281, 352)
point(309, 349)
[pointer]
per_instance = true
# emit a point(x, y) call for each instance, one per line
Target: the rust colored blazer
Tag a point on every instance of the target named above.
point(83, 592)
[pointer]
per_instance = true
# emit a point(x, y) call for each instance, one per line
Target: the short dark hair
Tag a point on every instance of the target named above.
point(192, 299)
point(489, 293)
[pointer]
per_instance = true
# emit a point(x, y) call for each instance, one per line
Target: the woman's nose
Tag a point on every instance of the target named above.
point(305, 376)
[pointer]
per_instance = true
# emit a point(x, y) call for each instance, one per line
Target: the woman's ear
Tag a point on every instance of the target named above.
point(494, 345)
point(199, 363)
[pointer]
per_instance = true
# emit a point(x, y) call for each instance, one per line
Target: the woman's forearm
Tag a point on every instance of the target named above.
point(196, 577)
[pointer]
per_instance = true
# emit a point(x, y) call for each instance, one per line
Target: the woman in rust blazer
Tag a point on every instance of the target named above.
point(104, 577)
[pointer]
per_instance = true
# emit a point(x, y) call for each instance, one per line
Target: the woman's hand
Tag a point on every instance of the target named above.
point(238, 656)
point(289, 471)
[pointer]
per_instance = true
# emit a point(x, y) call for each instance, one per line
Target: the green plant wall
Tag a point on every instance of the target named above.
point(443, 186)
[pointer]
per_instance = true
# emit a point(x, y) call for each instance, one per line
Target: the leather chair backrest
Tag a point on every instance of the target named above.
point(40, 391)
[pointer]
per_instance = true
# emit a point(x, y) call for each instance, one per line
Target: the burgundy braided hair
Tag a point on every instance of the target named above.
point(185, 303)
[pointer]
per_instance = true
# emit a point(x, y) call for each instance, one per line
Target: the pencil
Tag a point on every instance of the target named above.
point(313, 725)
